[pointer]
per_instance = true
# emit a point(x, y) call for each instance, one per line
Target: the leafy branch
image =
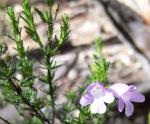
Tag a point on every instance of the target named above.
point(99, 70)
point(49, 51)
point(23, 89)
point(21, 92)
point(28, 18)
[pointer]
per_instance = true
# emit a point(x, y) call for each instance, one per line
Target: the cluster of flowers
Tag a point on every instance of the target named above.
point(97, 95)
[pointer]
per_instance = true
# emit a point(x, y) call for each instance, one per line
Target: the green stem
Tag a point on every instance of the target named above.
point(40, 115)
point(51, 88)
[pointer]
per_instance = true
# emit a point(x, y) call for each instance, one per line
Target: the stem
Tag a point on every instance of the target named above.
point(7, 122)
point(40, 115)
point(51, 89)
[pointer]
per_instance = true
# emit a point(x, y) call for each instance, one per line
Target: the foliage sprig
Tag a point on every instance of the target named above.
point(21, 92)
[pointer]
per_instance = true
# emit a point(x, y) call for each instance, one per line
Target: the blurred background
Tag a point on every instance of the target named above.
point(124, 26)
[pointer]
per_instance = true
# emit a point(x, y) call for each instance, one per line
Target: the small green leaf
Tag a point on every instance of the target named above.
point(64, 35)
point(71, 95)
point(99, 45)
point(42, 16)
point(29, 93)
point(50, 2)
point(3, 48)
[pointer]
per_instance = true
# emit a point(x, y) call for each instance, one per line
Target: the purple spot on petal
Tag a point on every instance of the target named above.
point(92, 85)
point(86, 100)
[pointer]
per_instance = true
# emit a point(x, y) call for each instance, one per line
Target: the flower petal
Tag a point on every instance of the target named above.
point(136, 97)
point(132, 88)
point(98, 106)
point(92, 85)
point(108, 98)
point(129, 108)
point(86, 100)
point(119, 88)
point(120, 105)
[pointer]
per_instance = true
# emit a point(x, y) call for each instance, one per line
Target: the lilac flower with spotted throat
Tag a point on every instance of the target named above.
point(126, 95)
point(97, 95)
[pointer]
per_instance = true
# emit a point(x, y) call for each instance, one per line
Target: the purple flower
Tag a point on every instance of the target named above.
point(96, 95)
point(126, 95)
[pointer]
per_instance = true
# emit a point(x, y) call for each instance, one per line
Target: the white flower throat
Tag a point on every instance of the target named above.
point(98, 91)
